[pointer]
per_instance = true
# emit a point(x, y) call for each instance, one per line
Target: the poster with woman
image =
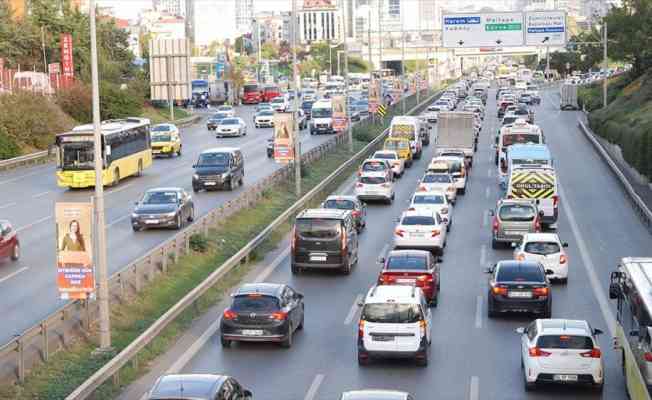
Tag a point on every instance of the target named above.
point(283, 137)
point(374, 94)
point(75, 269)
point(339, 113)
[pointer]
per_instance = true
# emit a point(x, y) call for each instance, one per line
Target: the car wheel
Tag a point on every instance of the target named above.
point(449, 225)
point(136, 228)
point(287, 343)
point(195, 189)
point(139, 172)
point(494, 244)
point(548, 312)
point(229, 186)
point(295, 270)
point(116, 177)
point(191, 217)
point(491, 312)
point(346, 269)
point(435, 300)
point(528, 386)
point(178, 224)
point(300, 327)
point(15, 253)
point(599, 387)
point(563, 281)
point(423, 362)
point(179, 152)
point(225, 343)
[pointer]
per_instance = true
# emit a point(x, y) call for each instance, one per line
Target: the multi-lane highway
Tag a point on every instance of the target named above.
point(472, 357)
point(29, 194)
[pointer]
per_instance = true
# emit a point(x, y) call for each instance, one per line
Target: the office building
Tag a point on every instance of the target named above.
point(244, 13)
point(323, 23)
point(172, 7)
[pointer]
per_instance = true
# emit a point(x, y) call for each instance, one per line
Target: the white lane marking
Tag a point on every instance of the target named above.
point(38, 221)
point(478, 312)
point(7, 205)
point(23, 176)
point(487, 192)
point(485, 218)
point(483, 254)
point(588, 265)
point(36, 196)
point(314, 387)
point(119, 189)
point(353, 311)
point(265, 273)
point(474, 390)
point(18, 271)
point(110, 224)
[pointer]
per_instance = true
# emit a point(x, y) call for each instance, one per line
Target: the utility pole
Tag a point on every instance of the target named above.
point(100, 229)
point(259, 49)
point(371, 63)
point(349, 132)
point(402, 64)
point(606, 64)
point(380, 35)
point(295, 108)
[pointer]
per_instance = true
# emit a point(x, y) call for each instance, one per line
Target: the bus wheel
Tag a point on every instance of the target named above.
point(116, 177)
point(140, 168)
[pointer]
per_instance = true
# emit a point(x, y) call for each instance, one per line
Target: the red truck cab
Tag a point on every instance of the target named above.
point(270, 92)
point(252, 94)
point(9, 245)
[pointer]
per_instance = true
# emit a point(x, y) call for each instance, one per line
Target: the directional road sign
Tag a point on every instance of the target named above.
point(483, 30)
point(547, 28)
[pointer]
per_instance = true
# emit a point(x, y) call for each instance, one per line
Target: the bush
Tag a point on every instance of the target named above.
point(198, 243)
point(8, 147)
point(32, 120)
point(119, 103)
point(76, 101)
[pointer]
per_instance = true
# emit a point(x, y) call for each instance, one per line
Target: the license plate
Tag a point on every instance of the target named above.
point(252, 332)
point(151, 221)
point(513, 233)
point(565, 378)
point(383, 338)
point(210, 183)
point(520, 295)
point(408, 281)
point(318, 258)
point(417, 235)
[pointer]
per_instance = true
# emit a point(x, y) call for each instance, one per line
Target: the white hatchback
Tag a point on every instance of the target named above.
point(561, 351)
point(434, 201)
point(420, 230)
point(375, 186)
point(547, 249)
point(398, 165)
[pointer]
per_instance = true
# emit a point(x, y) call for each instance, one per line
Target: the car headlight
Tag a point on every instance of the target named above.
point(225, 175)
point(134, 215)
point(195, 177)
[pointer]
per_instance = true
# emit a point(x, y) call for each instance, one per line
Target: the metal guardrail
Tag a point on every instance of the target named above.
point(40, 157)
point(111, 368)
point(639, 205)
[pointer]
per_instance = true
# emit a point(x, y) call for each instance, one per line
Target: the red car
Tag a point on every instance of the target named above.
point(412, 268)
point(251, 94)
point(270, 92)
point(9, 245)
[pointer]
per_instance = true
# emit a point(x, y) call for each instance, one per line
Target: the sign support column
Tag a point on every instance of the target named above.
point(297, 136)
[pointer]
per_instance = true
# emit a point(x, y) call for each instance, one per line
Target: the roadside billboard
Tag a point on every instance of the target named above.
point(68, 68)
point(169, 69)
point(74, 239)
point(503, 29)
point(374, 94)
point(283, 137)
point(546, 28)
point(339, 113)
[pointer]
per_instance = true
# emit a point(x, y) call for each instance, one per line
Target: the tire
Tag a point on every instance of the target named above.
point(139, 172)
point(462, 191)
point(363, 361)
point(229, 187)
point(599, 388)
point(15, 252)
point(191, 217)
point(563, 281)
point(548, 312)
point(195, 189)
point(491, 311)
point(300, 327)
point(287, 343)
point(116, 177)
point(528, 386)
point(434, 301)
point(135, 228)
point(295, 270)
point(346, 269)
point(423, 362)
point(179, 152)
point(494, 244)
point(178, 223)
point(225, 343)
point(448, 227)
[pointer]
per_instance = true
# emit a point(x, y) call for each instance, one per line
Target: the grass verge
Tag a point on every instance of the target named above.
point(161, 115)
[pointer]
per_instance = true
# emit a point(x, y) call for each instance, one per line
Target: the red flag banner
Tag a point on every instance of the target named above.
point(68, 68)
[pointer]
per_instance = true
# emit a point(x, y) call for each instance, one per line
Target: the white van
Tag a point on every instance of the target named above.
point(408, 127)
point(520, 132)
point(321, 117)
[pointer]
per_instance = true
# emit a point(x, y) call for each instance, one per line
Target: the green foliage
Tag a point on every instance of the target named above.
point(76, 101)
point(116, 102)
point(8, 147)
point(269, 51)
point(199, 243)
point(630, 31)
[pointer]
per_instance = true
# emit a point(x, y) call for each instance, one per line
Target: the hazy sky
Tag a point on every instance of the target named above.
point(130, 8)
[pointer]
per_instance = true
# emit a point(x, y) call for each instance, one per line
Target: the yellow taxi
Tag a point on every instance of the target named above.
point(166, 140)
point(401, 146)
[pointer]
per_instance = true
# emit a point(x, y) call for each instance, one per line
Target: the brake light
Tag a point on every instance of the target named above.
point(422, 326)
point(537, 224)
point(386, 279)
point(499, 290)
point(495, 224)
point(229, 314)
point(648, 356)
point(537, 352)
point(435, 233)
point(425, 279)
point(422, 188)
point(399, 232)
point(361, 329)
point(555, 200)
point(279, 316)
point(596, 353)
point(563, 259)
point(540, 291)
point(520, 257)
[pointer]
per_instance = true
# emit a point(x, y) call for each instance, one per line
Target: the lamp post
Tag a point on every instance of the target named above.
point(349, 132)
point(295, 108)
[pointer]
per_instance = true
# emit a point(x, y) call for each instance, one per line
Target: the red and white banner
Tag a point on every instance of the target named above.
point(68, 70)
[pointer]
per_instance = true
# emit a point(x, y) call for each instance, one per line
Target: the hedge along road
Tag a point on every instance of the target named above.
point(28, 197)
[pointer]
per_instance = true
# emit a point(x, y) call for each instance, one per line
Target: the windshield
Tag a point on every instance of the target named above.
point(161, 128)
point(407, 262)
point(321, 112)
point(160, 198)
point(418, 220)
point(78, 155)
point(403, 130)
point(510, 139)
point(372, 180)
point(391, 313)
point(266, 113)
point(542, 248)
point(436, 178)
point(250, 88)
point(517, 212)
point(229, 121)
point(313, 228)
point(396, 144)
point(373, 166)
point(509, 120)
point(214, 159)
point(159, 137)
point(386, 156)
point(255, 303)
point(565, 342)
point(428, 199)
point(219, 116)
point(340, 204)
point(519, 273)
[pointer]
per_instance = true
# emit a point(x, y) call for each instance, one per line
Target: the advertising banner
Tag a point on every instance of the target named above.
point(68, 68)
point(2, 73)
point(545, 28)
point(504, 29)
point(374, 94)
point(339, 113)
point(75, 269)
point(283, 137)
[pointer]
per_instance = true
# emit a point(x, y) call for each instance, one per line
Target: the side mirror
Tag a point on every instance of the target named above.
point(321, 205)
point(489, 270)
point(614, 291)
point(135, 203)
point(194, 165)
point(520, 330)
point(550, 272)
point(360, 303)
point(540, 212)
point(597, 332)
point(564, 244)
point(381, 260)
point(514, 245)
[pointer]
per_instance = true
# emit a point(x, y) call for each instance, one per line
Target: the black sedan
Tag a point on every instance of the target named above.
point(214, 121)
point(262, 312)
point(163, 208)
point(519, 286)
point(357, 207)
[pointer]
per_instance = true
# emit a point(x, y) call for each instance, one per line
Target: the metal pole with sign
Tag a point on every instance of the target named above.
point(402, 64)
point(349, 131)
point(297, 138)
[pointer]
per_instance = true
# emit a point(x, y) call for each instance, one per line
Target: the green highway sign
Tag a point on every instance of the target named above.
point(503, 27)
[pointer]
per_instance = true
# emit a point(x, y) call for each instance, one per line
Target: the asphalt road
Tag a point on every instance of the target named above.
point(28, 286)
point(471, 357)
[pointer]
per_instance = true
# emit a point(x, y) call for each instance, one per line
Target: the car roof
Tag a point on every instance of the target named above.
point(541, 237)
point(518, 264)
point(165, 189)
point(269, 289)
point(392, 293)
point(342, 197)
point(563, 327)
point(408, 253)
point(418, 212)
point(373, 174)
point(432, 192)
point(374, 394)
point(386, 151)
point(324, 213)
point(188, 386)
point(221, 150)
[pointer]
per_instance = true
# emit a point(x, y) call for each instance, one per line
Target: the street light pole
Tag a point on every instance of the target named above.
point(402, 64)
point(295, 108)
point(606, 65)
point(349, 132)
point(100, 229)
point(380, 34)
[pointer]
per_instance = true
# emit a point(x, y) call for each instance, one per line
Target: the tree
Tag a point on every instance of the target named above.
point(268, 51)
point(630, 30)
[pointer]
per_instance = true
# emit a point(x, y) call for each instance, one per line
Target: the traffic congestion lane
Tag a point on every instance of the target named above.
point(31, 280)
point(471, 356)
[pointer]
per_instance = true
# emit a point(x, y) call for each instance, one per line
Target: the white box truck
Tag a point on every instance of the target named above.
point(455, 130)
point(568, 97)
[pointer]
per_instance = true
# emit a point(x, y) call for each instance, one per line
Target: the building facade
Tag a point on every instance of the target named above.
point(172, 7)
point(320, 24)
point(244, 13)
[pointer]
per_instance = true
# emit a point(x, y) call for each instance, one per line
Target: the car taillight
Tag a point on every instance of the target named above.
point(425, 279)
point(344, 244)
point(422, 188)
point(540, 291)
point(499, 290)
point(596, 353)
point(648, 356)
point(385, 279)
point(495, 224)
point(435, 233)
point(537, 224)
point(399, 232)
point(520, 257)
point(537, 352)
point(411, 209)
point(361, 329)
point(563, 259)
point(229, 314)
point(422, 326)
point(555, 200)
point(279, 316)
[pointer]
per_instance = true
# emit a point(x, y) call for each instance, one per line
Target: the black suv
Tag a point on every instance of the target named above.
point(324, 238)
point(262, 312)
point(519, 286)
point(218, 168)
